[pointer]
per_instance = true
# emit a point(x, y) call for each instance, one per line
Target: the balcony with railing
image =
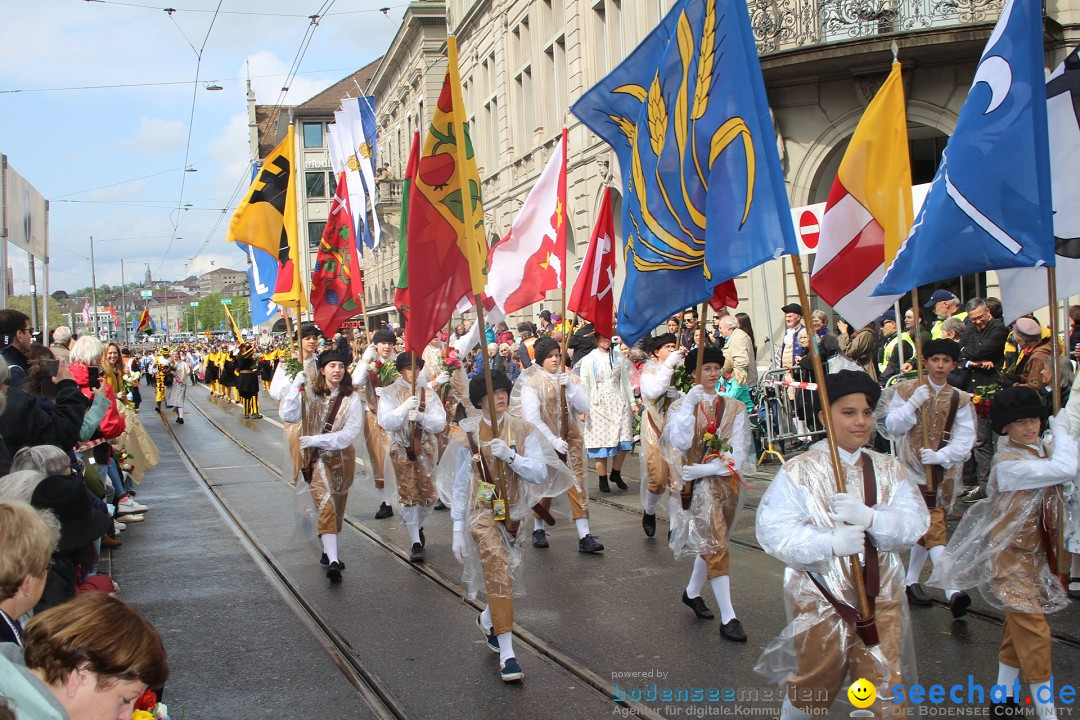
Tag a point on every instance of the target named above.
point(784, 25)
point(388, 193)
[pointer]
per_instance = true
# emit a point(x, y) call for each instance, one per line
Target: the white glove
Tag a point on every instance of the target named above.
point(848, 540)
point(305, 441)
point(413, 414)
point(921, 395)
point(369, 353)
point(564, 378)
point(931, 457)
point(696, 472)
point(672, 392)
point(696, 395)
point(1059, 424)
point(443, 378)
point(410, 404)
point(298, 381)
point(560, 445)
point(675, 359)
point(500, 450)
point(378, 392)
point(852, 510)
point(459, 546)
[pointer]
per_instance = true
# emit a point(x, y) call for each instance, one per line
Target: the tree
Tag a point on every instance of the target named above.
point(56, 313)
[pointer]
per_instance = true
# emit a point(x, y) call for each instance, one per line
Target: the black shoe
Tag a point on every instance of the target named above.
point(975, 495)
point(589, 544)
point(384, 511)
point(1009, 708)
point(440, 505)
point(959, 604)
point(698, 606)
point(179, 421)
point(417, 554)
point(489, 635)
point(616, 477)
point(326, 561)
point(649, 523)
point(158, 409)
point(604, 487)
point(1074, 583)
point(423, 540)
point(510, 671)
point(916, 596)
point(256, 416)
point(334, 572)
point(733, 631)
point(539, 539)
point(246, 416)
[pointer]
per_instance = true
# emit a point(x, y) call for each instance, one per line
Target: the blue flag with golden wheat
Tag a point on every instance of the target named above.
point(703, 191)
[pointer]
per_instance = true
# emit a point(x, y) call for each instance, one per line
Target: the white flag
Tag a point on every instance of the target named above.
point(1023, 290)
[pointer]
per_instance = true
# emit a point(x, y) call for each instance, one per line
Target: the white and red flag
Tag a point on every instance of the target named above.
point(869, 211)
point(593, 297)
point(531, 259)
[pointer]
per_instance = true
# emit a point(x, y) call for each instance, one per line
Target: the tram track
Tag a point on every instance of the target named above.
point(383, 703)
point(993, 618)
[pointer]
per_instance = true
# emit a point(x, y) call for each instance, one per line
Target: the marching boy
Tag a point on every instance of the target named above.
point(806, 524)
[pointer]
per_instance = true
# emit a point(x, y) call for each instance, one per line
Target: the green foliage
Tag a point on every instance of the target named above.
point(56, 314)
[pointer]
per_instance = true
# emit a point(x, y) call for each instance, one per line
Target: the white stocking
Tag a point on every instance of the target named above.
point(329, 546)
point(915, 564)
point(651, 500)
point(582, 527)
point(721, 587)
point(506, 646)
point(697, 578)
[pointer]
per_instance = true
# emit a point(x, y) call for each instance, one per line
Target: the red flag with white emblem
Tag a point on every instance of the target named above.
point(593, 297)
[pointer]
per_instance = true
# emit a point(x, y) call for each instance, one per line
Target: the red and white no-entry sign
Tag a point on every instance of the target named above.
point(809, 229)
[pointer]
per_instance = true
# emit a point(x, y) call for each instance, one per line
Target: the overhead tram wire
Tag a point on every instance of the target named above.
point(305, 43)
point(243, 12)
point(191, 129)
point(161, 83)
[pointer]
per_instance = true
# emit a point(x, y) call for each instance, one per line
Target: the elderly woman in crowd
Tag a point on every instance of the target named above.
point(20, 485)
point(27, 540)
point(88, 659)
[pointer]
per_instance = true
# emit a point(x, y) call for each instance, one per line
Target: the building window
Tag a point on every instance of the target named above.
point(313, 135)
point(314, 233)
point(555, 77)
point(332, 183)
point(315, 184)
point(525, 102)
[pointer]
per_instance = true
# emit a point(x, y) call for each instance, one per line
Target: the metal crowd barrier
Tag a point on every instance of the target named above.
point(779, 402)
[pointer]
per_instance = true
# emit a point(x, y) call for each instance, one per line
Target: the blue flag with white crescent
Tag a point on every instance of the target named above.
point(704, 198)
point(262, 277)
point(989, 206)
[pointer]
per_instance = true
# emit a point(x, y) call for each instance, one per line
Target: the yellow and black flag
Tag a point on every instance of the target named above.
point(266, 219)
point(232, 324)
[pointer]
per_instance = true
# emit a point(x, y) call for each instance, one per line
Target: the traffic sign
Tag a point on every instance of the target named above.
point(194, 303)
point(146, 293)
point(226, 301)
point(809, 229)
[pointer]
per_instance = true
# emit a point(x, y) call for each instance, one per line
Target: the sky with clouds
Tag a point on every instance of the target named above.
point(111, 160)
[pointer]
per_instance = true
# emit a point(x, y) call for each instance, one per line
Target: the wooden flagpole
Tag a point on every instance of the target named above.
point(834, 454)
point(701, 345)
point(1055, 381)
point(303, 369)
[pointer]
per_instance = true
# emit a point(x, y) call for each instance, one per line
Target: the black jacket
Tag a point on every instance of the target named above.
point(982, 345)
point(26, 423)
point(16, 364)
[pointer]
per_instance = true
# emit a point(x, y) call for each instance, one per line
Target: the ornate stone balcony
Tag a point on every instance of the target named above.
point(783, 25)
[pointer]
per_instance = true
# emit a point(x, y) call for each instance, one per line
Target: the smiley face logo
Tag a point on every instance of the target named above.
point(862, 693)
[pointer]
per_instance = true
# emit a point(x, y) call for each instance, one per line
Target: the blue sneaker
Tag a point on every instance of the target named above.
point(510, 671)
point(492, 641)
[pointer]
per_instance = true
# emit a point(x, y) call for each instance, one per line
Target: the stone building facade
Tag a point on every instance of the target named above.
point(524, 62)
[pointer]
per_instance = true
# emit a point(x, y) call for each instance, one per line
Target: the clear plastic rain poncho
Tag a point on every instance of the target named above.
point(279, 386)
point(320, 505)
point(898, 421)
point(714, 506)
point(393, 418)
point(536, 474)
point(536, 397)
point(793, 525)
point(1000, 545)
point(657, 396)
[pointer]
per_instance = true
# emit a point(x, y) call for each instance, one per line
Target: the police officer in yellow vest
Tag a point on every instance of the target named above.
point(945, 305)
point(890, 361)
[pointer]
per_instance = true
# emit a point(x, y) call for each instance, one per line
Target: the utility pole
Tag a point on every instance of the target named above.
point(93, 288)
point(123, 301)
point(33, 296)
